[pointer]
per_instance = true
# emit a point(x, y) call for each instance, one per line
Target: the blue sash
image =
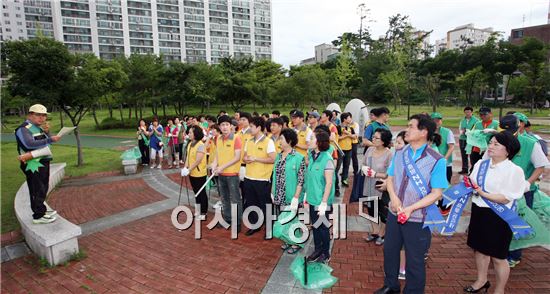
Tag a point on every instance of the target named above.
point(461, 193)
point(433, 219)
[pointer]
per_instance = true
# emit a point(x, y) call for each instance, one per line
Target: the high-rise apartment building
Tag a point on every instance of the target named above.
point(467, 36)
point(185, 30)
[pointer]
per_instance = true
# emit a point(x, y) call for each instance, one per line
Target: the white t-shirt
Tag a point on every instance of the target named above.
point(504, 178)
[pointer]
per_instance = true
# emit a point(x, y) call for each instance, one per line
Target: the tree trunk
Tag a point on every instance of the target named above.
point(61, 118)
point(110, 110)
point(164, 110)
point(141, 111)
point(129, 111)
point(136, 110)
point(95, 117)
point(80, 159)
point(120, 109)
point(532, 104)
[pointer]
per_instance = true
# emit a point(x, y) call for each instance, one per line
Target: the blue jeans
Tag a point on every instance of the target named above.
point(321, 234)
point(417, 242)
point(229, 190)
point(529, 196)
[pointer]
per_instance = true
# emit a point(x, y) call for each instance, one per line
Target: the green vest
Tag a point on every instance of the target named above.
point(444, 147)
point(467, 125)
point(292, 166)
point(315, 179)
point(36, 132)
point(523, 158)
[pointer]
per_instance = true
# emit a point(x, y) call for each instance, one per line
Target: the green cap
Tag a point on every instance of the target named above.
point(522, 117)
point(437, 115)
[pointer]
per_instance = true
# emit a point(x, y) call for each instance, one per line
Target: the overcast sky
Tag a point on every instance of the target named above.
point(299, 25)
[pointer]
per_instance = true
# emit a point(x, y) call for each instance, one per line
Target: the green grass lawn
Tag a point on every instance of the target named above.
point(96, 160)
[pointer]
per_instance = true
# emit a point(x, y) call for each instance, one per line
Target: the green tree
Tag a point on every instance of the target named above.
point(238, 84)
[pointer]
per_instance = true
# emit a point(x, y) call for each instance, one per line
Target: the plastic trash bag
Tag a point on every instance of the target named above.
point(541, 206)
point(478, 139)
point(131, 154)
point(282, 228)
point(318, 274)
point(540, 235)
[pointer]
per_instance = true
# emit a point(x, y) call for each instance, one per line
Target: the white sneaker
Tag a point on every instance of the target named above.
point(44, 220)
point(159, 166)
point(50, 213)
point(402, 275)
point(217, 205)
point(152, 166)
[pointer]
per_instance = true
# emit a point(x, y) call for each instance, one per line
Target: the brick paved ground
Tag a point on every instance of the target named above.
point(450, 267)
point(151, 256)
point(80, 204)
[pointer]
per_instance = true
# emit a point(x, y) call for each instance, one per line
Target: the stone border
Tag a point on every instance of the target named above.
point(56, 241)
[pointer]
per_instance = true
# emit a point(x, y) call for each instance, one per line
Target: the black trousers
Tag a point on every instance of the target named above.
point(416, 241)
point(463, 155)
point(38, 183)
point(346, 162)
point(257, 193)
point(144, 150)
point(336, 173)
point(321, 233)
point(354, 159)
point(449, 177)
point(202, 198)
point(475, 157)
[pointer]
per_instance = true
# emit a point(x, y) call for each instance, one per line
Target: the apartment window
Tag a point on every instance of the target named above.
point(517, 34)
point(19, 23)
point(6, 15)
point(7, 22)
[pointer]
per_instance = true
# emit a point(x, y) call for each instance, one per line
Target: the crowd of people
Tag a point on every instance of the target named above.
point(300, 160)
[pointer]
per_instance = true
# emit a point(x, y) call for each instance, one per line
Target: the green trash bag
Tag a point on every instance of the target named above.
point(318, 274)
point(541, 206)
point(540, 235)
point(282, 228)
point(476, 138)
point(131, 154)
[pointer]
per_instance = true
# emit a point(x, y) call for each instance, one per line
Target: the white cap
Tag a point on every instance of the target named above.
point(38, 108)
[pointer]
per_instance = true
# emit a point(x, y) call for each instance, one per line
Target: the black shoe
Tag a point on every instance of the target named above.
point(471, 289)
point(250, 232)
point(337, 194)
point(314, 256)
point(386, 290)
point(323, 258)
point(463, 172)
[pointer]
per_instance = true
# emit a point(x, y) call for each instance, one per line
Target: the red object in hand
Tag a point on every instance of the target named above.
point(467, 182)
point(402, 218)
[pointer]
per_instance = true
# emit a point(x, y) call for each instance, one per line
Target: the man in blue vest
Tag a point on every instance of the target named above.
point(32, 144)
point(416, 179)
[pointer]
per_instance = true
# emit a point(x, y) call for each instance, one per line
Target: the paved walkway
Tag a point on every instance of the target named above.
point(132, 247)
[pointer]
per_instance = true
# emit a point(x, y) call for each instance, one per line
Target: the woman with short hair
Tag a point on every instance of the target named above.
point(500, 181)
point(375, 165)
point(288, 178)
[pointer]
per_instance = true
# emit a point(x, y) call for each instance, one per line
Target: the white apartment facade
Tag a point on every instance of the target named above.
point(467, 36)
point(185, 30)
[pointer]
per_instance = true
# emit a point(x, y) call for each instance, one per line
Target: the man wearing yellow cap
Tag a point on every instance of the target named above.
point(34, 153)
